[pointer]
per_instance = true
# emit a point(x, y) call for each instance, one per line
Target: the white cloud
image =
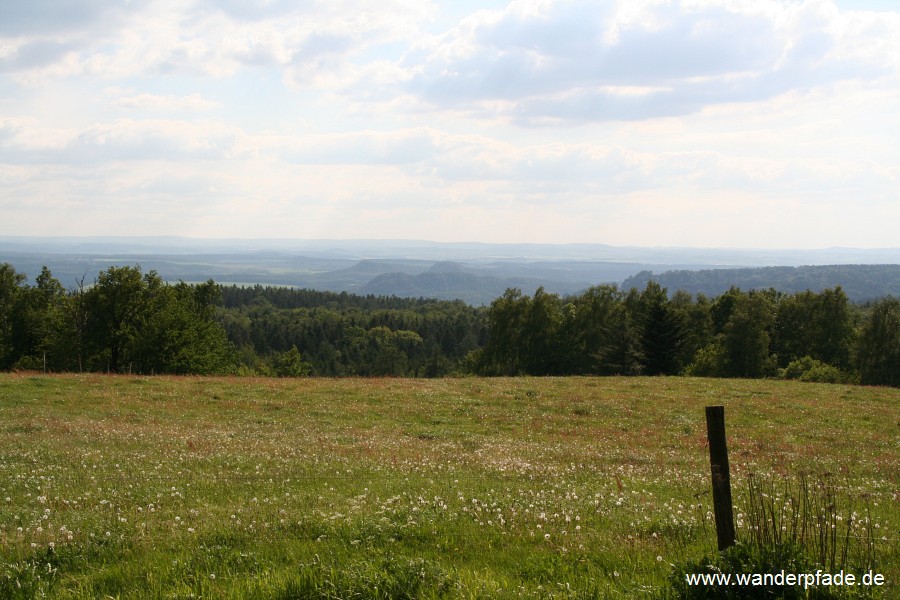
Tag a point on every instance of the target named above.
point(24, 138)
point(25, 141)
point(638, 121)
point(208, 38)
point(541, 173)
point(154, 102)
point(543, 63)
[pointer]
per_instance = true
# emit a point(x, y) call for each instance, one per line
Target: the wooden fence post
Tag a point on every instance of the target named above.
point(721, 480)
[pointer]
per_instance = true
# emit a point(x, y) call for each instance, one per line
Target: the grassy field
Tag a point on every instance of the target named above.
point(165, 487)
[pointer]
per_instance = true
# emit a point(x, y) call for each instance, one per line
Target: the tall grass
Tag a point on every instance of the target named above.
point(792, 524)
point(831, 524)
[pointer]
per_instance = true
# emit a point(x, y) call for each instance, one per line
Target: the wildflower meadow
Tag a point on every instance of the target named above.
point(188, 487)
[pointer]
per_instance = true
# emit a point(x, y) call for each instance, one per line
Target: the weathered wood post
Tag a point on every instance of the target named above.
point(721, 480)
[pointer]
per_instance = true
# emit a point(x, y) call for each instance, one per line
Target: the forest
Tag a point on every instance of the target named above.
point(127, 321)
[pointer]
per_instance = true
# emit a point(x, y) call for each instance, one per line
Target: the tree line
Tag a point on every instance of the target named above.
point(125, 322)
point(129, 321)
point(604, 331)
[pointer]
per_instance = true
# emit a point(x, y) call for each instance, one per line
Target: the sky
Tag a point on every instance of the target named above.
point(700, 123)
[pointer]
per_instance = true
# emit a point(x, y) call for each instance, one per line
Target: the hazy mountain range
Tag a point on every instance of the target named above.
point(474, 272)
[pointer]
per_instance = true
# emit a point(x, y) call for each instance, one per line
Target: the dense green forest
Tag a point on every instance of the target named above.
point(344, 334)
point(605, 331)
point(128, 321)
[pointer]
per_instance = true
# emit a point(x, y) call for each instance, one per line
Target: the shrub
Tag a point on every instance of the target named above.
point(811, 370)
point(290, 364)
point(707, 363)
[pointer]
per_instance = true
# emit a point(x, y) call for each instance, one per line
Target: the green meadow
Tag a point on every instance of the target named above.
point(580, 487)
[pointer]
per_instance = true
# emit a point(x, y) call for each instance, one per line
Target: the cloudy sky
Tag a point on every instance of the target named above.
point(707, 123)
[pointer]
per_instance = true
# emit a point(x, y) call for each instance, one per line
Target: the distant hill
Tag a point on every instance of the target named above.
point(859, 282)
point(354, 278)
point(453, 281)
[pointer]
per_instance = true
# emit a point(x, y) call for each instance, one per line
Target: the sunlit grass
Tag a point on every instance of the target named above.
point(573, 487)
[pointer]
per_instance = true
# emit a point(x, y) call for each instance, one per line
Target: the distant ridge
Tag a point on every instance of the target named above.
point(860, 282)
point(474, 272)
point(445, 283)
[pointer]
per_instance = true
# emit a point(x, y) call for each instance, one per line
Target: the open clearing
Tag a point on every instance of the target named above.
point(166, 487)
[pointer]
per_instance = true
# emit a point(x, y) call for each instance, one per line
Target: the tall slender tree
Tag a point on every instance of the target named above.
point(661, 333)
point(878, 351)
